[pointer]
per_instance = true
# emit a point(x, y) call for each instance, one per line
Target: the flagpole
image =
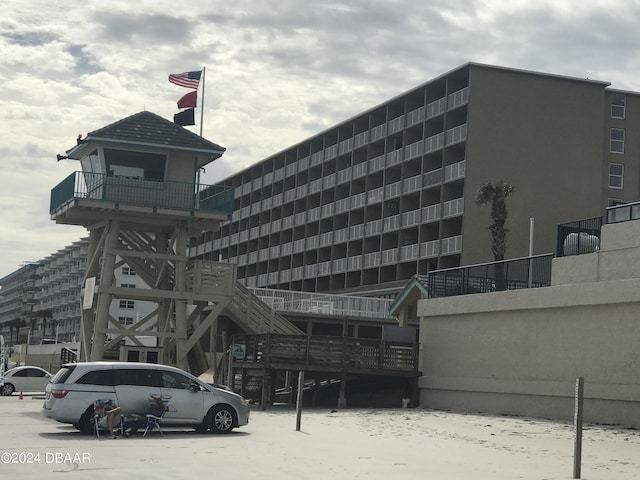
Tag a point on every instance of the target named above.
point(202, 103)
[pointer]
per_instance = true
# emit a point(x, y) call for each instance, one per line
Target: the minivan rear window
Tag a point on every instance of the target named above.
point(63, 374)
point(97, 377)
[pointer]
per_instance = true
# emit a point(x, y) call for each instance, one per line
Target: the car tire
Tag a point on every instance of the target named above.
point(221, 419)
point(86, 422)
point(8, 389)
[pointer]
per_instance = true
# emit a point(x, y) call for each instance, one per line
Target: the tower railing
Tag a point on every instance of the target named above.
point(141, 192)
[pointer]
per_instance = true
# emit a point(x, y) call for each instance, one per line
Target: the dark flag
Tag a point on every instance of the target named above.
point(189, 100)
point(187, 117)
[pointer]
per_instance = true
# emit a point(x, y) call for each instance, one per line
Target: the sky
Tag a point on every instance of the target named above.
point(277, 72)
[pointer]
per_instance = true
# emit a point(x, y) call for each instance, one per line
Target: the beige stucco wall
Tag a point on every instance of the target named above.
point(519, 352)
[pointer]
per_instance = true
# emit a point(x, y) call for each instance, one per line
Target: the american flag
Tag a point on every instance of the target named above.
point(186, 79)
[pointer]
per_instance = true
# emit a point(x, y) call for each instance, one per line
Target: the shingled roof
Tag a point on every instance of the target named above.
point(147, 128)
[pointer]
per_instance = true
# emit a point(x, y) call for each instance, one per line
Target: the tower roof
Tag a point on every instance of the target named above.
point(148, 129)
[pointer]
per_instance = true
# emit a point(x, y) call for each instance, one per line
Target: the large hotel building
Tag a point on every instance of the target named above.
point(388, 194)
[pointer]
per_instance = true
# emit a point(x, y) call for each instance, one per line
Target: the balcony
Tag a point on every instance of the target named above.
point(141, 192)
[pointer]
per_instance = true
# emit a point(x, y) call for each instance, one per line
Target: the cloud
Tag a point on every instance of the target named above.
point(277, 72)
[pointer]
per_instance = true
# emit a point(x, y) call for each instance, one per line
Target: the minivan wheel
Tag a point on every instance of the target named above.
point(8, 389)
point(86, 422)
point(221, 419)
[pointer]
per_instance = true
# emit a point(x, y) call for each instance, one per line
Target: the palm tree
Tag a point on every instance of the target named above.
point(14, 325)
point(47, 317)
point(496, 193)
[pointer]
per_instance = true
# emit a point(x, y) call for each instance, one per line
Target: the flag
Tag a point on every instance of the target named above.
point(184, 118)
point(186, 79)
point(189, 100)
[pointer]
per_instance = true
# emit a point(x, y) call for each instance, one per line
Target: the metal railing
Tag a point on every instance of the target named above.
point(324, 304)
point(142, 192)
point(623, 213)
point(528, 272)
point(581, 236)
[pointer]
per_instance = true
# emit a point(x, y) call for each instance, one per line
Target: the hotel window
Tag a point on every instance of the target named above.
point(128, 304)
point(127, 285)
point(616, 172)
point(616, 144)
point(617, 105)
point(125, 320)
point(128, 272)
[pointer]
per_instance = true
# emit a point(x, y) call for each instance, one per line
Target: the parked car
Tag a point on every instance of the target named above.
point(191, 402)
point(25, 379)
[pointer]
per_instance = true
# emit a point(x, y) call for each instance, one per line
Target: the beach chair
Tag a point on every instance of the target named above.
point(153, 421)
point(101, 411)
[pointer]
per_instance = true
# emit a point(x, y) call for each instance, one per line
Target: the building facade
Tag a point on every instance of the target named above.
point(389, 193)
point(17, 299)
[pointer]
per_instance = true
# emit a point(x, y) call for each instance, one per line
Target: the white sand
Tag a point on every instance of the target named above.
point(347, 444)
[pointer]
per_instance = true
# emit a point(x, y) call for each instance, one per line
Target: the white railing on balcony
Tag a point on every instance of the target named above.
point(361, 139)
point(413, 150)
point(331, 152)
point(391, 223)
point(411, 218)
point(431, 213)
point(327, 210)
point(339, 265)
point(453, 208)
point(396, 124)
point(324, 268)
point(356, 232)
point(396, 157)
point(375, 196)
point(377, 163)
point(358, 200)
point(430, 249)
point(455, 171)
point(457, 99)
point(310, 271)
point(378, 132)
point(372, 259)
point(415, 116)
point(389, 256)
point(434, 177)
point(412, 184)
point(360, 170)
point(318, 303)
point(436, 108)
point(457, 134)
point(326, 239)
point(433, 143)
point(409, 252)
point(451, 245)
point(354, 262)
point(374, 227)
point(342, 205)
point(341, 235)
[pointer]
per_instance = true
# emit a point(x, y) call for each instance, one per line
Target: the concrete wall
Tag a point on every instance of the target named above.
point(519, 352)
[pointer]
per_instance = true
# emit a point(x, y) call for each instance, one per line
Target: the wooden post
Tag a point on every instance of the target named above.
point(577, 447)
point(299, 399)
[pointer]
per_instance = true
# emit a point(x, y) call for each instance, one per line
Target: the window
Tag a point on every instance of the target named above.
point(125, 320)
point(617, 140)
point(175, 380)
point(612, 202)
point(616, 172)
point(128, 285)
point(128, 304)
point(97, 377)
point(128, 271)
point(144, 377)
point(618, 101)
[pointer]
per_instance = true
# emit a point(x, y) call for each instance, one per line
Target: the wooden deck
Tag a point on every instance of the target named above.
point(324, 354)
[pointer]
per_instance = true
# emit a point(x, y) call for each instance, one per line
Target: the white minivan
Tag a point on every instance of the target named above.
point(191, 403)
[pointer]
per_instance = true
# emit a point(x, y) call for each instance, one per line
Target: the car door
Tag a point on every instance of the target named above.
point(134, 386)
point(184, 404)
point(38, 379)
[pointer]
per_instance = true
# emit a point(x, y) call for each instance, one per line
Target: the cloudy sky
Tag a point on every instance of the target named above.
point(277, 72)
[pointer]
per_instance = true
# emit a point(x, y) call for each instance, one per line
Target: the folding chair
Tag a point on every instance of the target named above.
point(101, 412)
point(153, 421)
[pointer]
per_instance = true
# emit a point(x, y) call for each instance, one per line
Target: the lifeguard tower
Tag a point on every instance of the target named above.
point(139, 197)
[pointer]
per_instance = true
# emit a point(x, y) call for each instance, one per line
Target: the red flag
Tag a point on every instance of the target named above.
point(189, 100)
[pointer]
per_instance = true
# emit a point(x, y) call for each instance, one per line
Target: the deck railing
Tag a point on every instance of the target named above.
point(323, 352)
point(142, 192)
point(528, 272)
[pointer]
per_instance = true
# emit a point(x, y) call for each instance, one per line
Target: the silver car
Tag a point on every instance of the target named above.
point(191, 402)
point(25, 379)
